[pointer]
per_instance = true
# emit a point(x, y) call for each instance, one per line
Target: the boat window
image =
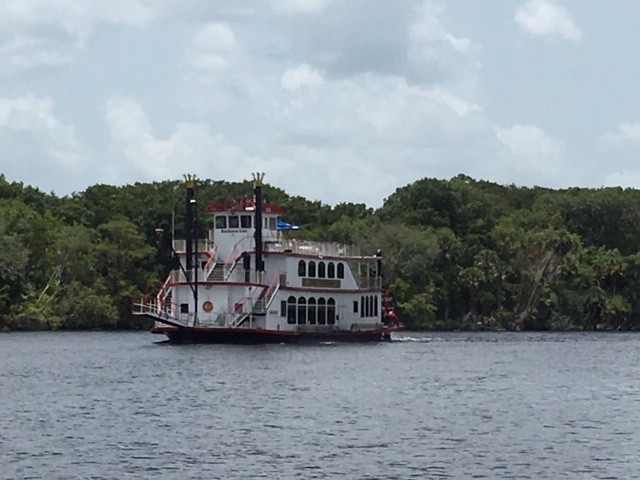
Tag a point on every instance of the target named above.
point(283, 308)
point(291, 310)
point(375, 306)
point(302, 268)
point(233, 221)
point(311, 311)
point(245, 221)
point(322, 311)
point(331, 311)
point(362, 309)
point(184, 308)
point(312, 269)
point(341, 270)
point(355, 306)
point(321, 270)
point(331, 270)
point(272, 223)
point(369, 305)
point(221, 221)
point(302, 311)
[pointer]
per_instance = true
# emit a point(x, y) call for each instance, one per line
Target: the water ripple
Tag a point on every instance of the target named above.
point(445, 405)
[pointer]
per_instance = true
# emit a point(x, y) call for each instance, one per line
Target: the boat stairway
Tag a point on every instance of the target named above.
point(260, 305)
point(237, 322)
point(217, 274)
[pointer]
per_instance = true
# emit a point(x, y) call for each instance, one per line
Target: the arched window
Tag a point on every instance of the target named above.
point(302, 268)
point(321, 270)
point(312, 268)
point(331, 270)
point(302, 311)
point(311, 311)
point(322, 311)
point(341, 270)
point(331, 311)
point(291, 310)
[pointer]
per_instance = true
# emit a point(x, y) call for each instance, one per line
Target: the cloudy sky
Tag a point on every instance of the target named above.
point(338, 101)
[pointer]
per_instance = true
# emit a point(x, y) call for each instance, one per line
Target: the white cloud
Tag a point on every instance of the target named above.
point(213, 48)
point(192, 146)
point(427, 35)
point(32, 115)
point(459, 106)
point(76, 18)
point(544, 18)
point(437, 56)
point(36, 146)
point(531, 154)
point(627, 133)
point(301, 6)
point(24, 53)
point(528, 141)
point(334, 129)
point(301, 76)
point(46, 33)
point(345, 104)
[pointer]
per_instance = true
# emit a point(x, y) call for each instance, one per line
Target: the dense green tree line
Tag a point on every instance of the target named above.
point(459, 253)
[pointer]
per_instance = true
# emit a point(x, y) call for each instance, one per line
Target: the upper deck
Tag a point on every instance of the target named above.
point(289, 246)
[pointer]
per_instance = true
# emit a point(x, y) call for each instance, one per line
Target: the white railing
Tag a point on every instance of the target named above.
point(369, 282)
point(204, 245)
point(308, 247)
point(178, 276)
point(164, 291)
point(158, 311)
point(270, 292)
point(211, 263)
point(232, 259)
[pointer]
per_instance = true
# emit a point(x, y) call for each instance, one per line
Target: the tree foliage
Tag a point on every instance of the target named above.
point(458, 253)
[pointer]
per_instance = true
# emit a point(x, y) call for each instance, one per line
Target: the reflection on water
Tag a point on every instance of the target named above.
point(436, 405)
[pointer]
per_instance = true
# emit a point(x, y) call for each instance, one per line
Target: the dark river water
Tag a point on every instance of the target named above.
point(452, 405)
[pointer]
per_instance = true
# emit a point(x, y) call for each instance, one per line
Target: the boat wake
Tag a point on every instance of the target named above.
point(409, 338)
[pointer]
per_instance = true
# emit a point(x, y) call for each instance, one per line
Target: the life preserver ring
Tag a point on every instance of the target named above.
point(207, 306)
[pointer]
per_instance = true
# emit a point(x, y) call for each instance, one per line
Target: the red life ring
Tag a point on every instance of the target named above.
point(207, 306)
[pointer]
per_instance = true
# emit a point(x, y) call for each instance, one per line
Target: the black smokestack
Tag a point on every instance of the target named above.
point(257, 190)
point(190, 222)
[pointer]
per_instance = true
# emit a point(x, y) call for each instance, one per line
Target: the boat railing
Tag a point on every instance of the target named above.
point(369, 282)
point(203, 244)
point(270, 292)
point(232, 259)
point(178, 276)
point(229, 267)
point(309, 247)
point(224, 319)
point(160, 311)
point(164, 290)
point(211, 263)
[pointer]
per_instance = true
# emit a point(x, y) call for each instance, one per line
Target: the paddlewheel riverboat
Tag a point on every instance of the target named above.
point(249, 282)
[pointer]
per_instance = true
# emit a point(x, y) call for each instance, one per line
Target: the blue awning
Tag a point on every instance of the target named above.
point(284, 225)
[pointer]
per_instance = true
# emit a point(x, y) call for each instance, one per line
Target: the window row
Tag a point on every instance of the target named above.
point(321, 270)
point(242, 221)
point(301, 311)
point(368, 306)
